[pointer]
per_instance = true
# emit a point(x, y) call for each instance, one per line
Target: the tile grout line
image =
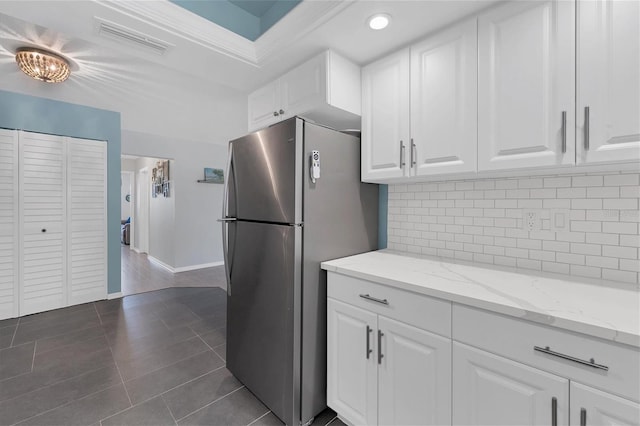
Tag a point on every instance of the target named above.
point(213, 350)
point(169, 409)
point(262, 416)
point(121, 379)
point(66, 403)
point(33, 360)
point(14, 333)
point(212, 402)
point(97, 313)
point(168, 365)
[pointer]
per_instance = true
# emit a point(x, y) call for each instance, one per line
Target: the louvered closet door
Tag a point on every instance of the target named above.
point(43, 222)
point(86, 201)
point(9, 243)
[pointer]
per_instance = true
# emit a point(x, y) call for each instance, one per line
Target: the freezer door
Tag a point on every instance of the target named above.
point(265, 174)
point(263, 313)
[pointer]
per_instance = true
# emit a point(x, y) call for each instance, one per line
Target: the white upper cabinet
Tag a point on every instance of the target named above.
point(526, 85)
point(444, 102)
point(608, 112)
point(264, 104)
point(325, 89)
point(9, 224)
point(385, 118)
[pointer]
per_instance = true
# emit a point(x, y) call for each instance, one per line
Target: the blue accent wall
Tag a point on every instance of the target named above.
point(41, 115)
point(237, 19)
point(383, 207)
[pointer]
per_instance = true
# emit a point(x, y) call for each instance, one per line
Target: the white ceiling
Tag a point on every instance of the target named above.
point(204, 59)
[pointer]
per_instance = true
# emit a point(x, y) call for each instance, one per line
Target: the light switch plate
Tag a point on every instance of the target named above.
point(559, 220)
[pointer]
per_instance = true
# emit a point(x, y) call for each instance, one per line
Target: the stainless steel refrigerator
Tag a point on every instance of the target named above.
point(293, 198)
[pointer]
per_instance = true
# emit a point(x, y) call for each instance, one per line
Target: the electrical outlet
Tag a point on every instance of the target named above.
point(531, 220)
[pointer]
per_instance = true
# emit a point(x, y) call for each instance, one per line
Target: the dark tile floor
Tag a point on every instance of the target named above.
point(155, 358)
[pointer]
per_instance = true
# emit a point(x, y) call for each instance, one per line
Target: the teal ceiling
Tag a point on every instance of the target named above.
point(247, 18)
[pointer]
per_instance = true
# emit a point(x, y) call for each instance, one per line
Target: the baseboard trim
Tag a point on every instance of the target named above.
point(200, 266)
point(135, 249)
point(161, 263)
point(112, 296)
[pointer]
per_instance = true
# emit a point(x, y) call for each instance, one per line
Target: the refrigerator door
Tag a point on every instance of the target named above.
point(263, 313)
point(265, 184)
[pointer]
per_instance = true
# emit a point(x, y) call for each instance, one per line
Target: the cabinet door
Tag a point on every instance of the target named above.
point(608, 81)
point(43, 222)
point(264, 104)
point(593, 407)
point(352, 376)
point(9, 216)
point(444, 102)
point(491, 390)
point(414, 376)
point(304, 87)
point(526, 85)
point(385, 118)
point(87, 216)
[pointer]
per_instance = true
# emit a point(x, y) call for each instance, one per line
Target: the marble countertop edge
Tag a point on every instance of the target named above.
point(353, 268)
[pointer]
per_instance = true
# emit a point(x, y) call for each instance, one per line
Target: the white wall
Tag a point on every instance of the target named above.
point(161, 218)
point(198, 237)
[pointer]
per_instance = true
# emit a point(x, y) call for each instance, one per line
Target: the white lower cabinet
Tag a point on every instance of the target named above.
point(400, 358)
point(352, 379)
point(492, 390)
point(380, 369)
point(591, 406)
point(414, 376)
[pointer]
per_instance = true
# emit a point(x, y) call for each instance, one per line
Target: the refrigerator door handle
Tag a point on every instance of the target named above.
point(225, 220)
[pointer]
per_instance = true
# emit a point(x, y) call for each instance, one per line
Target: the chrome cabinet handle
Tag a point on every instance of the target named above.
point(227, 219)
point(590, 363)
point(587, 113)
point(554, 411)
point(413, 158)
point(564, 131)
point(275, 113)
point(402, 156)
point(583, 417)
point(380, 356)
point(375, 299)
point(369, 350)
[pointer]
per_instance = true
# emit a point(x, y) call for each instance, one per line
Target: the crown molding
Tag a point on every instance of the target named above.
point(169, 17)
point(302, 20)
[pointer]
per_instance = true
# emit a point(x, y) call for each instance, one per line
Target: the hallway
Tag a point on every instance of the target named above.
point(140, 275)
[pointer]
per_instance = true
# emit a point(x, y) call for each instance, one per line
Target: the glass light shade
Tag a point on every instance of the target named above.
point(379, 21)
point(43, 66)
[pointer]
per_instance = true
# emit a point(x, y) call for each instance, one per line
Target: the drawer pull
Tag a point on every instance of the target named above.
point(583, 417)
point(369, 350)
point(375, 299)
point(380, 356)
point(554, 411)
point(590, 363)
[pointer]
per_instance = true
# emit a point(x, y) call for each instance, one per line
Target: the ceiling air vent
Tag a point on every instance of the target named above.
point(131, 37)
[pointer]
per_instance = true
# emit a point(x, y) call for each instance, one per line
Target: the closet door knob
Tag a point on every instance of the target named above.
point(44, 230)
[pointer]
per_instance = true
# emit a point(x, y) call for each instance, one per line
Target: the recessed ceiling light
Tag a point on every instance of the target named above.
point(379, 21)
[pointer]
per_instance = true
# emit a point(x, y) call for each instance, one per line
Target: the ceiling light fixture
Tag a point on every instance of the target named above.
point(42, 65)
point(379, 21)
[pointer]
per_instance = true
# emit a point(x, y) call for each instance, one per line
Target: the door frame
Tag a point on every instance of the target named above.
point(132, 209)
point(143, 184)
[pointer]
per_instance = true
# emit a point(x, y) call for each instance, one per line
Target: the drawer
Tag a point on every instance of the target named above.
point(515, 339)
point(421, 311)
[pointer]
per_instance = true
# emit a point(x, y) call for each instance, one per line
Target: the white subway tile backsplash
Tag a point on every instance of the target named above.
point(481, 221)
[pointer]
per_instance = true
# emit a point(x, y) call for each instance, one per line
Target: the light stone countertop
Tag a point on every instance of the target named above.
point(609, 311)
